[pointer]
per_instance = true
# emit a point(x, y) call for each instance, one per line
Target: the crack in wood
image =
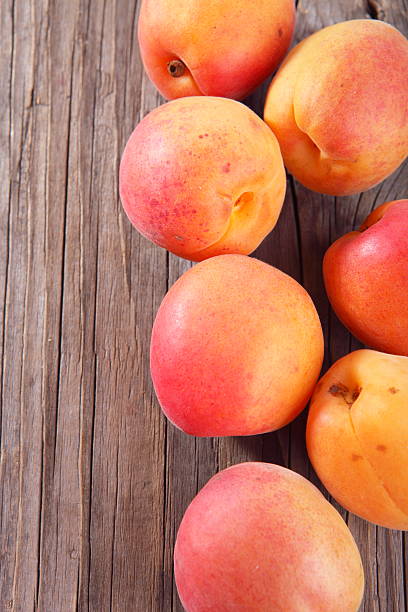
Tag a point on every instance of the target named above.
point(375, 10)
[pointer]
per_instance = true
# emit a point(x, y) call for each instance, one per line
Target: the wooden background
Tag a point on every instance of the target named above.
point(93, 480)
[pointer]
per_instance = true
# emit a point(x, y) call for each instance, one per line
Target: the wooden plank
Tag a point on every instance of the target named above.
point(8, 430)
point(22, 274)
point(126, 514)
point(61, 508)
point(93, 480)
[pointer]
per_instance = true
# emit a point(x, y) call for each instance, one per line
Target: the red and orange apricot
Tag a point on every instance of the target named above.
point(338, 106)
point(236, 348)
point(202, 177)
point(213, 47)
point(366, 278)
point(260, 537)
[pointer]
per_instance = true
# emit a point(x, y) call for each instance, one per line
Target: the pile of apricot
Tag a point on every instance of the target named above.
point(237, 345)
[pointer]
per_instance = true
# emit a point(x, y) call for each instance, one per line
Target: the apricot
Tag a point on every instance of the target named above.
point(213, 47)
point(203, 176)
point(357, 434)
point(338, 106)
point(236, 348)
point(260, 537)
point(366, 278)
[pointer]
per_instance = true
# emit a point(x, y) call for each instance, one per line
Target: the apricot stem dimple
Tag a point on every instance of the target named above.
point(340, 390)
point(244, 198)
point(176, 68)
point(356, 393)
point(365, 226)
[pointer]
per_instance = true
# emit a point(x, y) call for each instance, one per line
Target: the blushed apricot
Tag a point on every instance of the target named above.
point(338, 106)
point(261, 538)
point(366, 278)
point(236, 348)
point(202, 177)
point(213, 47)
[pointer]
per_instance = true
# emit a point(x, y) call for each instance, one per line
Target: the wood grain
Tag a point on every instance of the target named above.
point(93, 480)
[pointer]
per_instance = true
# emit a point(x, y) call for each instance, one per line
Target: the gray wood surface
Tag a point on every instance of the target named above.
point(93, 480)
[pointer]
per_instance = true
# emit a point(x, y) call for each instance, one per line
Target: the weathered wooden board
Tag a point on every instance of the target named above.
point(93, 480)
